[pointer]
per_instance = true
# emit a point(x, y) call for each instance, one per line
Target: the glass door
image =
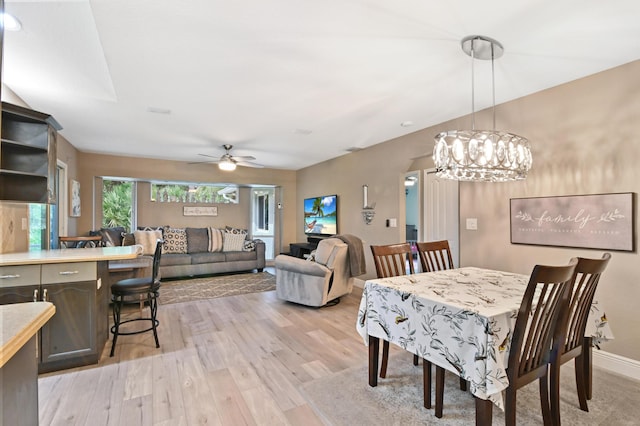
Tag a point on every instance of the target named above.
point(263, 218)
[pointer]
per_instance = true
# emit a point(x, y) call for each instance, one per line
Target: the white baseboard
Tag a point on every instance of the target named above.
point(617, 364)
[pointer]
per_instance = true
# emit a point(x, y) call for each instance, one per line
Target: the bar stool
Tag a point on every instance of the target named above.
point(137, 290)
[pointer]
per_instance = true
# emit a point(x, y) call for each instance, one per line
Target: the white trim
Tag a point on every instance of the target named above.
point(63, 196)
point(617, 364)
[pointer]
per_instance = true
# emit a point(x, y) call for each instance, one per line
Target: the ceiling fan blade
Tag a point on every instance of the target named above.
point(243, 157)
point(210, 156)
point(205, 162)
point(249, 164)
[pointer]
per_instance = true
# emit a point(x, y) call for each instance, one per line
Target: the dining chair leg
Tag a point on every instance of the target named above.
point(439, 391)
point(509, 407)
point(484, 411)
point(426, 386)
point(587, 353)
point(463, 384)
point(581, 384)
point(416, 359)
point(385, 358)
point(550, 396)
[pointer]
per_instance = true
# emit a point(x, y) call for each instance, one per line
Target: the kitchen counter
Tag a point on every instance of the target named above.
point(19, 325)
point(19, 322)
point(69, 255)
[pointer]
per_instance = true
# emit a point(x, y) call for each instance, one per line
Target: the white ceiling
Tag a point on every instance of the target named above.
point(261, 74)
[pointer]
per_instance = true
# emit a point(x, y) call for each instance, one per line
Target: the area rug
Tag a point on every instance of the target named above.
point(345, 398)
point(177, 291)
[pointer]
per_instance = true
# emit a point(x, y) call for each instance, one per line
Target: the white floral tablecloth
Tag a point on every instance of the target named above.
point(460, 319)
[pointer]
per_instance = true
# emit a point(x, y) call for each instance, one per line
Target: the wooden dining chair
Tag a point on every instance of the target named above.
point(391, 261)
point(435, 255)
point(576, 345)
point(539, 320)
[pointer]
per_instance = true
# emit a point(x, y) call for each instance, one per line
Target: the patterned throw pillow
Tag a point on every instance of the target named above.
point(216, 240)
point(147, 240)
point(249, 245)
point(175, 240)
point(128, 239)
point(232, 230)
point(233, 242)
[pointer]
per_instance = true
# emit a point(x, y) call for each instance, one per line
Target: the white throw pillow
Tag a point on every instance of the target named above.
point(233, 242)
point(147, 239)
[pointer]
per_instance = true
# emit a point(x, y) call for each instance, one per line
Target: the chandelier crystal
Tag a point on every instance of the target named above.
point(481, 155)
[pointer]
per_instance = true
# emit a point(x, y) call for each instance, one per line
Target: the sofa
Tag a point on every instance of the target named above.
point(187, 251)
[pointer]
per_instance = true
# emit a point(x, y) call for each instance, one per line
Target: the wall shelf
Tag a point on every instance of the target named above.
point(27, 155)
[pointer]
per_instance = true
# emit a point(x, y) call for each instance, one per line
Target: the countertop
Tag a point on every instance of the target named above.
point(19, 322)
point(69, 255)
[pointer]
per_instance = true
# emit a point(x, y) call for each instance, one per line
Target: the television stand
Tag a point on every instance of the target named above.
point(301, 249)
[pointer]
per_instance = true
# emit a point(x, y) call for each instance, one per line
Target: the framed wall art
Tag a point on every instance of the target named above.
point(597, 221)
point(200, 211)
point(75, 198)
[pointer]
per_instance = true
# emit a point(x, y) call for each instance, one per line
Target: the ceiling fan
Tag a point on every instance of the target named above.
point(229, 162)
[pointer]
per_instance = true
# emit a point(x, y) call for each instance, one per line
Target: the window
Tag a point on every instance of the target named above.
point(117, 203)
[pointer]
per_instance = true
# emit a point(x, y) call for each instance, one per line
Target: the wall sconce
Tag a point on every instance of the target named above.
point(368, 211)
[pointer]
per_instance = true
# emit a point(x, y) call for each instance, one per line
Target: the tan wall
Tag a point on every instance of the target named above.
point(151, 213)
point(584, 141)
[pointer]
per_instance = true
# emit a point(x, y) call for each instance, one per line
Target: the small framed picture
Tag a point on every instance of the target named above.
point(75, 198)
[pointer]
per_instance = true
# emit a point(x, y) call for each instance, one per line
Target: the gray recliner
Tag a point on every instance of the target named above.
point(318, 280)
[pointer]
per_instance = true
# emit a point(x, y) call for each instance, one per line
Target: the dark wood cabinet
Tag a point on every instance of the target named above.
point(27, 155)
point(70, 335)
point(78, 331)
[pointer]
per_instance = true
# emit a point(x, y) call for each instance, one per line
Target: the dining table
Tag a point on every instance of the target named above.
point(460, 319)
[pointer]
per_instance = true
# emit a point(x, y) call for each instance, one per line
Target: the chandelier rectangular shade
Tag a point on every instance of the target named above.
point(481, 155)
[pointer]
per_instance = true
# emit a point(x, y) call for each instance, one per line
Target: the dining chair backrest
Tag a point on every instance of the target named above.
point(537, 321)
point(391, 260)
point(586, 278)
point(157, 254)
point(435, 255)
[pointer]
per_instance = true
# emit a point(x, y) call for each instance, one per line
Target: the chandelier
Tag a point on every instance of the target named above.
point(481, 155)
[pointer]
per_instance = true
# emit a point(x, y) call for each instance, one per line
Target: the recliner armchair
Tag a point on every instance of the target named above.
point(318, 280)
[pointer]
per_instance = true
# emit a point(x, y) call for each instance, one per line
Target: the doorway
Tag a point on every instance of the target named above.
point(263, 216)
point(441, 212)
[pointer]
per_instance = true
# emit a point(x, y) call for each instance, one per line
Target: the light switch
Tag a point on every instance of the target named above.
point(393, 222)
point(25, 224)
point(472, 224)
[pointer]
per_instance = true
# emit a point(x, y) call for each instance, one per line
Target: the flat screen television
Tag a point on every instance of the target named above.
point(321, 215)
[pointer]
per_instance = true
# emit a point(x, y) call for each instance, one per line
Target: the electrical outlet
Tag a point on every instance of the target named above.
point(472, 224)
point(25, 224)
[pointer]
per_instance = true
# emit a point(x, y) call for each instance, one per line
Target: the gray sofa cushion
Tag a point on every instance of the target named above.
point(197, 240)
point(198, 258)
point(234, 256)
point(171, 259)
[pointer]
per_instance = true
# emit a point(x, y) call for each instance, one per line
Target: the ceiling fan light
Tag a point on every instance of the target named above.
point(227, 165)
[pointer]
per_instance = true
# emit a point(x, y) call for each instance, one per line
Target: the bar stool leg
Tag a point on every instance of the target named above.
point(117, 307)
point(153, 307)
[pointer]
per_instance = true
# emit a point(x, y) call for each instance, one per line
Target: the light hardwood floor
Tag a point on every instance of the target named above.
point(229, 361)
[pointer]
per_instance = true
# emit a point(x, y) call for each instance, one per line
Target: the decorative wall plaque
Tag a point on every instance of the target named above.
point(599, 221)
point(200, 211)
